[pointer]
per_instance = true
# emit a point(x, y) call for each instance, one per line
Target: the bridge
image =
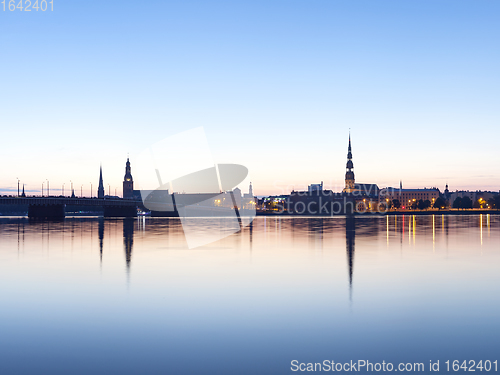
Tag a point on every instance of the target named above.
point(54, 207)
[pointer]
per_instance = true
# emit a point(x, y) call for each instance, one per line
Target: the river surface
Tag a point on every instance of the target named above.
point(95, 296)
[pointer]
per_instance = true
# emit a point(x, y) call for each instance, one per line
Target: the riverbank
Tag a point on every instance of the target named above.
point(398, 213)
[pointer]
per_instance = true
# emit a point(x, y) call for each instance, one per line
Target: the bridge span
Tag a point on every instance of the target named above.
point(54, 207)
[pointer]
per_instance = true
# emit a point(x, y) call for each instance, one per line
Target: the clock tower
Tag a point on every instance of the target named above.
point(128, 183)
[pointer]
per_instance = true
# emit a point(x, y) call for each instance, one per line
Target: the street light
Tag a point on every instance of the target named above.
point(62, 189)
point(81, 191)
point(17, 186)
point(91, 190)
point(48, 190)
point(42, 187)
point(109, 190)
point(71, 187)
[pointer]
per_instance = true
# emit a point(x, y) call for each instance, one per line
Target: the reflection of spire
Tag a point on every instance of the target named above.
point(128, 239)
point(350, 234)
point(101, 235)
point(18, 237)
point(251, 234)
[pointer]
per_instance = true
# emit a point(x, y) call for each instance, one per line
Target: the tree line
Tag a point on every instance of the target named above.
point(441, 203)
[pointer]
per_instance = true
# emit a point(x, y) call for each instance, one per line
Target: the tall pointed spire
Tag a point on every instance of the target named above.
point(100, 189)
point(349, 175)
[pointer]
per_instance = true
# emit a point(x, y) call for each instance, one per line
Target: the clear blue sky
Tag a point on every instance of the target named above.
point(276, 84)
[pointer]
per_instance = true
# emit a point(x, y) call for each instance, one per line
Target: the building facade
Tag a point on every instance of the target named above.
point(407, 197)
point(315, 187)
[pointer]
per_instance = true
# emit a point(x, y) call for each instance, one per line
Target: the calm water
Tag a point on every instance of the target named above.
point(89, 295)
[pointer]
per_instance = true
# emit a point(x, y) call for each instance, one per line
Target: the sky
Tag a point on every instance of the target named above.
point(276, 85)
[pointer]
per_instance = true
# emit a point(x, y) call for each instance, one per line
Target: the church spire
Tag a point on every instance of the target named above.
point(100, 189)
point(349, 175)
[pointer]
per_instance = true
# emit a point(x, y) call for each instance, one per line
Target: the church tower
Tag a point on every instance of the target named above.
point(349, 175)
point(128, 183)
point(100, 189)
point(446, 192)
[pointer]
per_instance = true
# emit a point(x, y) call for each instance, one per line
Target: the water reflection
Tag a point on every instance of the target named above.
point(128, 239)
point(358, 287)
point(320, 233)
point(350, 234)
point(101, 236)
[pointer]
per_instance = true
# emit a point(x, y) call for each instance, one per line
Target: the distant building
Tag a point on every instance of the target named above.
point(128, 183)
point(316, 200)
point(249, 195)
point(274, 202)
point(366, 191)
point(446, 194)
point(367, 194)
point(249, 201)
point(407, 196)
point(315, 187)
point(473, 195)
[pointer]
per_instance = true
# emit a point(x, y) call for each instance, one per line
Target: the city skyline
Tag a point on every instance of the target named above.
point(249, 187)
point(84, 87)
point(102, 189)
